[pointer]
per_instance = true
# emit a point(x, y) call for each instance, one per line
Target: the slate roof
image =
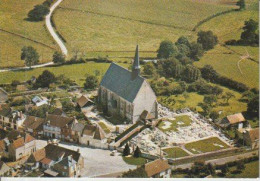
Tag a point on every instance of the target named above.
point(89, 130)
point(156, 166)
point(119, 80)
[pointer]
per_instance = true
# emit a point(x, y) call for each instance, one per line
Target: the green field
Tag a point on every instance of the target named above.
point(174, 123)
point(119, 25)
point(134, 161)
point(175, 152)
point(13, 16)
point(251, 171)
point(206, 145)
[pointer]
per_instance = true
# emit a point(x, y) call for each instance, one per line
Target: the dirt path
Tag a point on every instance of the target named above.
point(52, 31)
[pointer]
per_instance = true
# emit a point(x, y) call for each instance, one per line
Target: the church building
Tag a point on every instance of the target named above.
point(126, 93)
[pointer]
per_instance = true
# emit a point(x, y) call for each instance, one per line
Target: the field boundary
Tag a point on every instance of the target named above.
point(211, 17)
point(26, 38)
point(124, 18)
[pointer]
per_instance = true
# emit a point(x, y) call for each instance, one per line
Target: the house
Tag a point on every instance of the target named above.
point(93, 136)
point(158, 169)
point(59, 127)
point(235, 120)
point(126, 93)
point(17, 145)
point(76, 131)
point(57, 161)
point(34, 125)
point(11, 119)
point(3, 95)
point(38, 101)
point(4, 169)
point(251, 138)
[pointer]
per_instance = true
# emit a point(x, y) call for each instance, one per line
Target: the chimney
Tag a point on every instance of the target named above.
point(136, 64)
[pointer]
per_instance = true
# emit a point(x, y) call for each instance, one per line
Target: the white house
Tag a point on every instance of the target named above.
point(38, 101)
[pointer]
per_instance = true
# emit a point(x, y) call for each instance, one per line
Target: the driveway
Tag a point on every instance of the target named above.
point(97, 161)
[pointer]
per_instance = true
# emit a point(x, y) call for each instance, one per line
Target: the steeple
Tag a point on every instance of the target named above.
point(136, 64)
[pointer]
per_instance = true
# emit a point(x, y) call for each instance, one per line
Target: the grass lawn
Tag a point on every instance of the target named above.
point(13, 16)
point(121, 24)
point(206, 145)
point(173, 124)
point(75, 72)
point(175, 152)
point(134, 161)
point(192, 100)
point(104, 127)
point(254, 124)
point(251, 171)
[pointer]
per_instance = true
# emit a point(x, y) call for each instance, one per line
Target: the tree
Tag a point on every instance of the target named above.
point(196, 51)
point(91, 82)
point(171, 68)
point(206, 108)
point(149, 68)
point(241, 4)
point(45, 79)
point(214, 115)
point(167, 49)
point(207, 39)
point(227, 96)
point(38, 13)
point(224, 169)
point(30, 56)
point(183, 40)
point(209, 73)
point(249, 35)
point(67, 106)
point(240, 165)
point(191, 73)
point(126, 151)
point(210, 99)
point(137, 152)
point(253, 105)
point(58, 58)
point(211, 169)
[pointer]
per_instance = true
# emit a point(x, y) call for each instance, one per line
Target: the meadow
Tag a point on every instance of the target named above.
point(175, 152)
point(19, 32)
point(119, 25)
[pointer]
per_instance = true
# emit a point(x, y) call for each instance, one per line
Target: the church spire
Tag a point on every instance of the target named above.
point(136, 64)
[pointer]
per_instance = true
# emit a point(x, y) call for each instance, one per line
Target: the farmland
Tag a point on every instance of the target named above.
point(16, 32)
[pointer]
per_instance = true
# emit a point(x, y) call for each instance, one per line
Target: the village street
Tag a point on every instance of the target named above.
point(96, 161)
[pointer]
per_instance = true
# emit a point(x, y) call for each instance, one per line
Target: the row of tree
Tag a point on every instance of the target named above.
point(184, 50)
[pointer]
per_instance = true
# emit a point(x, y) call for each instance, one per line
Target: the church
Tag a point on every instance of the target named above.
point(126, 93)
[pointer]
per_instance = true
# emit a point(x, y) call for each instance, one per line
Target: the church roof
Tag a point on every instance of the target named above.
point(119, 80)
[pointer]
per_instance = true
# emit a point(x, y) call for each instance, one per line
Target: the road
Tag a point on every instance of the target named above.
point(96, 161)
point(52, 31)
point(53, 34)
point(220, 161)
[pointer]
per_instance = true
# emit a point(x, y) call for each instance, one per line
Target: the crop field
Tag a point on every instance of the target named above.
point(206, 145)
point(119, 25)
point(15, 31)
point(175, 152)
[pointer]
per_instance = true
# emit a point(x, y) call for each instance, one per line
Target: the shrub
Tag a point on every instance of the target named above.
point(38, 13)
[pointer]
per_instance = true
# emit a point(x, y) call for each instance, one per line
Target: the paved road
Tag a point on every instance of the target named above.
point(52, 31)
point(220, 161)
point(97, 161)
point(53, 34)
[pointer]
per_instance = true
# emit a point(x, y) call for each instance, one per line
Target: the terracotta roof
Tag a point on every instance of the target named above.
point(82, 101)
point(46, 161)
point(59, 121)
point(99, 134)
point(156, 166)
point(89, 130)
point(254, 134)
point(53, 152)
point(18, 143)
point(2, 145)
point(28, 138)
point(39, 155)
point(51, 172)
point(235, 118)
point(33, 122)
point(58, 111)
